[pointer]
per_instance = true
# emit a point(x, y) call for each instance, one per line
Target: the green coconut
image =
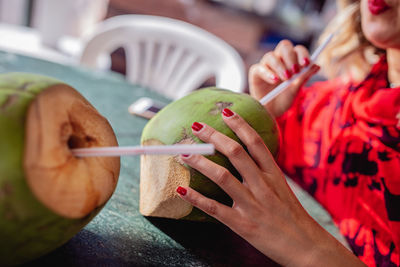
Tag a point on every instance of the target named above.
point(161, 175)
point(46, 194)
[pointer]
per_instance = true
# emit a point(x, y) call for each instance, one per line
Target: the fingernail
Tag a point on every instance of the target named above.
point(296, 68)
point(185, 155)
point(288, 74)
point(227, 112)
point(197, 126)
point(274, 77)
point(181, 191)
point(306, 61)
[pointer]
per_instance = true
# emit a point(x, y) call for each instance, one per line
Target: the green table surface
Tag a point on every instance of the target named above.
point(119, 235)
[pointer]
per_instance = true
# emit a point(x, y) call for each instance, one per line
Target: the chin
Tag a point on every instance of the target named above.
point(381, 38)
point(384, 42)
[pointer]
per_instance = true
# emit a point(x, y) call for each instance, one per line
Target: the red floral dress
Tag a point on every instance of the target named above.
point(341, 142)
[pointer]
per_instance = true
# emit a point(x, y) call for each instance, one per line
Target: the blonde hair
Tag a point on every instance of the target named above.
point(349, 54)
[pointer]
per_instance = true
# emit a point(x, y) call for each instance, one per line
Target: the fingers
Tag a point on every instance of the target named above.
point(286, 52)
point(286, 60)
point(239, 158)
point(259, 75)
point(251, 139)
point(264, 73)
point(219, 175)
point(217, 210)
point(303, 56)
point(272, 61)
point(283, 102)
point(272, 178)
point(277, 66)
point(262, 178)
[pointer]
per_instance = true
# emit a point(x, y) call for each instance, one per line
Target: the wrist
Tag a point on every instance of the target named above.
point(330, 252)
point(317, 247)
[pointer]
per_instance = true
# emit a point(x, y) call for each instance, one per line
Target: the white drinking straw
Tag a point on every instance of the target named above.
point(205, 149)
point(271, 95)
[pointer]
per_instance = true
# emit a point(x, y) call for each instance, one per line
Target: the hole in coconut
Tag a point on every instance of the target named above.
point(75, 142)
point(78, 139)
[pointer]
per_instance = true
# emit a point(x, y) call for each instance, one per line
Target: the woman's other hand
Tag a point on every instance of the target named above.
point(265, 211)
point(277, 66)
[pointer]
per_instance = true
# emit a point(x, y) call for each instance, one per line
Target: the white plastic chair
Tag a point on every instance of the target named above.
point(169, 56)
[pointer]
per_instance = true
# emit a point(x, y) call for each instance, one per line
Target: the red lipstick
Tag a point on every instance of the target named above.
point(377, 7)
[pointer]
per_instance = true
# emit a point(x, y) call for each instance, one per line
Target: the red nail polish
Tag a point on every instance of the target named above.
point(274, 77)
point(185, 155)
point(288, 74)
point(181, 191)
point(227, 112)
point(197, 126)
point(296, 68)
point(306, 61)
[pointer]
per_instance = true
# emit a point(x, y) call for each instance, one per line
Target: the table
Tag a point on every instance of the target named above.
point(120, 235)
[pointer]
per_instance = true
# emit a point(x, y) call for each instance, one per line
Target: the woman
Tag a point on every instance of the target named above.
point(341, 141)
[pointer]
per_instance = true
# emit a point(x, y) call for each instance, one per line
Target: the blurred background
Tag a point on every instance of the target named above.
point(55, 29)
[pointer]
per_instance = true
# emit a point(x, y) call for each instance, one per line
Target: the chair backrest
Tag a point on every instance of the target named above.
point(167, 55)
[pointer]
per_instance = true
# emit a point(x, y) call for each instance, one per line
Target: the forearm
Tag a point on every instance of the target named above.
point(302, 242)
point(328, 251)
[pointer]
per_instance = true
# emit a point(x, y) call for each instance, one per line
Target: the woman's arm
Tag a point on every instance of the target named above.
point(265, 211)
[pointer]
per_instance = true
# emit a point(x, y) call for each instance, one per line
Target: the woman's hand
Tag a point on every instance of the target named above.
point(277, 66)
point(265, 211)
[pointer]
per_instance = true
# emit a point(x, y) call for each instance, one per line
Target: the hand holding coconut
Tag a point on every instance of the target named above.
point(340, 141)
point(276, 67)
point(265, 211)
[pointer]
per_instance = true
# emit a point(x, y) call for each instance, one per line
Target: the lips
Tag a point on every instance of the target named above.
point(377, 7)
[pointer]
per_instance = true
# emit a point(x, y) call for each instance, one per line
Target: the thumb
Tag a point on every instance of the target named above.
point(303, 78)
